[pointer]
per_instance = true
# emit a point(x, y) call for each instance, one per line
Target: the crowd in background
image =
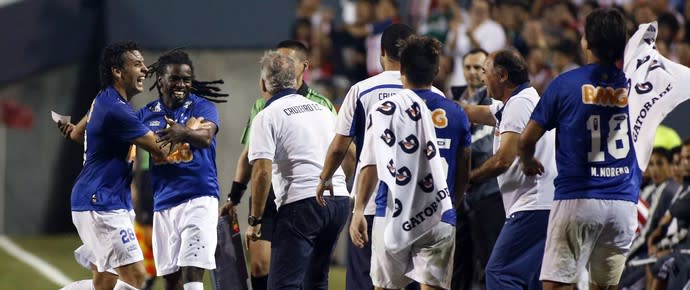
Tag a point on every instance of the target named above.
point(546, 32)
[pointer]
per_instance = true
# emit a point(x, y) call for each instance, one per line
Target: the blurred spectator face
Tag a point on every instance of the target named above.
point(677, 167)
point(363, 10)
point(643, 14)
point(685, 159)
point(385, 9)
point(479, 11)
point(473, 69)
point(659, 168)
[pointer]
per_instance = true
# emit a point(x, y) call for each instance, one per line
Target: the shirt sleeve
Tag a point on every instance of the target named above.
point(547, 108)
point(368, 155)
point(124, 124)
point(495, 106)
point(516, 114)
point(344, 125)
point(263, 135)
point(207, 110)
point(259, 105)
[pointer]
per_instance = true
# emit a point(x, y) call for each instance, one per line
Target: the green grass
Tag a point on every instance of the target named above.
point(58, 251)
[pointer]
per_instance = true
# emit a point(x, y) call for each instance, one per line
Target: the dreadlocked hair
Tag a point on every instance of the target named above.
point(205, 89)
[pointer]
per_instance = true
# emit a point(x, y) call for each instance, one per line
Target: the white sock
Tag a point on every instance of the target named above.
point(80, 285)
point(120, 285)
point(193, 286)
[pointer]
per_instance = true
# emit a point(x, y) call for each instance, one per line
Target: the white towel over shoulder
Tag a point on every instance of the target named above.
point(656, 86)
point(401, 133)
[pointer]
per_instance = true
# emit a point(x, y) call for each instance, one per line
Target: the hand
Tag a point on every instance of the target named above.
point(532, 167)
point(173, 134)
point(194, 123)
point(320, 189)
point(358, 230)
point(651, 249)
point(227, 209)
point(66, 129)
point(253, 233)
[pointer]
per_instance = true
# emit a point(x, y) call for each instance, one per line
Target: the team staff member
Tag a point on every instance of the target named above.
point(260, 250)
point(290, 138)
point(515, 261)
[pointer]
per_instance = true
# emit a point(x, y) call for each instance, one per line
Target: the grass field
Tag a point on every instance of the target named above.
point(58, 251)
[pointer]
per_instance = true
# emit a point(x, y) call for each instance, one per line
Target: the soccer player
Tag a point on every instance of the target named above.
point(593, 218)
point(290, 137)
point(359, 102)
point(516, 257)
point(101, 201)
point(408, 129)
point(260, 250)
point(185, 185)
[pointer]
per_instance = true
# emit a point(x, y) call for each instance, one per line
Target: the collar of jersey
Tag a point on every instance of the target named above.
point(303, 89)
point(280, 94)
point(424, 93)
point(112, 90)
point(520, 88)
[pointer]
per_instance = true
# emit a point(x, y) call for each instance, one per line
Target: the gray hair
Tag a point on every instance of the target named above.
point(278, 72)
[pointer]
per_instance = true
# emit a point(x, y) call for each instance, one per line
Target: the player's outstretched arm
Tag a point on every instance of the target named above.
point(334, 157)
point(527, 145)
point(479, 114)
point(499, 162)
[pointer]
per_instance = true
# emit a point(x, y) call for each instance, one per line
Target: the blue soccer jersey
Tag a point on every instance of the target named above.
point(103, 183)
point(588, 107)
point(190, 172)
point(452, 131)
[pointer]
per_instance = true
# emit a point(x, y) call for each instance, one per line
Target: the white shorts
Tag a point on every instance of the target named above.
point(589, 234)
point(185, 235)
point(108, 237)
point(429, 261)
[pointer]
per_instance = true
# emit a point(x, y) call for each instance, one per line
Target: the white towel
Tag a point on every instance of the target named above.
point(408, 162)
point(656, 86)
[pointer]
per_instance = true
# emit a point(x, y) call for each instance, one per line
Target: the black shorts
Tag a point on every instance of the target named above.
point(268, 218)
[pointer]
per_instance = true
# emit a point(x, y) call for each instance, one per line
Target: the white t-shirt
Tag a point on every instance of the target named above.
point(521, 192)
point(294, 133)
point(360, 100)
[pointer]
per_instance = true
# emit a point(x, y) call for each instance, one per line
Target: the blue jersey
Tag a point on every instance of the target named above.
point(190, 171)
point(103, 183)
point(452, 131)
point(588, 107)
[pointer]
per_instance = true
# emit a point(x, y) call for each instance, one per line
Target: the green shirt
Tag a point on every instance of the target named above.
point(304, 90)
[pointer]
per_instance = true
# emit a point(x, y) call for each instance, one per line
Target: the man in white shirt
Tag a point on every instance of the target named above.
point(290, 137)
point(516, 258)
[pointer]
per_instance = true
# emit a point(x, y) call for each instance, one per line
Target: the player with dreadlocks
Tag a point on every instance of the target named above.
point(185, 185)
